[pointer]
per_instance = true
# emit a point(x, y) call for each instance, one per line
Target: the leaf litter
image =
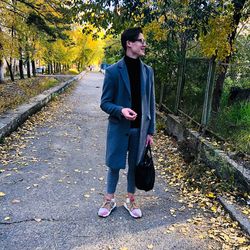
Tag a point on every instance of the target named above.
point(198, 187)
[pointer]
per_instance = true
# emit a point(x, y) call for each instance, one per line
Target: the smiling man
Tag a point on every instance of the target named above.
point(128, 98)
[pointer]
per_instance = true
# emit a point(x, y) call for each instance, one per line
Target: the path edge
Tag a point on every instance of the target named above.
point(12, 119)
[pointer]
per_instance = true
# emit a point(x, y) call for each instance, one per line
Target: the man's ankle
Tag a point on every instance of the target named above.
point(131, 196)
point(109, 196)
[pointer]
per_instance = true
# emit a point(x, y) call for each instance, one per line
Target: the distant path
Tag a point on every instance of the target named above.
point(56, 184)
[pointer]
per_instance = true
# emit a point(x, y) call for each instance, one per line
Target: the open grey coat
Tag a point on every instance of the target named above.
point(115, 96)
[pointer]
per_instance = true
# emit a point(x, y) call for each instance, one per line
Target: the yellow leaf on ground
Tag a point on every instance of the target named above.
point(245, 212)
point(214, 209)
point(7, 218)
point(150, 246)
point(210, 195)
point(241, 240)
point(2, 194)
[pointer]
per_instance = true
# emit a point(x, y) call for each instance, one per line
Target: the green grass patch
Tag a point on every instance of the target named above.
point(233, 123)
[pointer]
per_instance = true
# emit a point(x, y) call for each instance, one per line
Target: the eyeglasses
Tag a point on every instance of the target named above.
point(142, 41)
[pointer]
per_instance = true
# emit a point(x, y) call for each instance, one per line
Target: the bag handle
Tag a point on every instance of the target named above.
point(148, 149)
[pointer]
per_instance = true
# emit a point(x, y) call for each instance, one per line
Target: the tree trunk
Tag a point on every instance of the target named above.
point(14, 67)
point(10, 69)
point(21, 68)
point(1, 71)
point(21, 63)
point(1, 62)
point(28, 67)
point(48, 69)
point(219, 83)
point(51, 68)
point(33, 67)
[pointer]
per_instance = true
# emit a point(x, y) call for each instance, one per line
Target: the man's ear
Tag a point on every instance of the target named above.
point(128, 43)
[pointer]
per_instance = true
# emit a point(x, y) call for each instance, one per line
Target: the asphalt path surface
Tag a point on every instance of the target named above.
point(52, 198)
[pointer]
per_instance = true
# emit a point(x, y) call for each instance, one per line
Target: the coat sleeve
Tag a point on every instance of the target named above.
point(151, 129)
point(108, 96)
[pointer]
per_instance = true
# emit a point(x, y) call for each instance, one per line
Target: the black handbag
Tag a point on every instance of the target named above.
point(145, 172)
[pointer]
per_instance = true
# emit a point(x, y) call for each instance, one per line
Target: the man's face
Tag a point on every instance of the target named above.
point(137, 48)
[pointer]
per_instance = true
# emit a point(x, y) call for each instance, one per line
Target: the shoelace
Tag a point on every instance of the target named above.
point(107, 204)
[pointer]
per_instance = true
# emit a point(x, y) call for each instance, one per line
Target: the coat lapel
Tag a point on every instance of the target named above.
point(143, 88)
point(143, 79)
point(124, 74)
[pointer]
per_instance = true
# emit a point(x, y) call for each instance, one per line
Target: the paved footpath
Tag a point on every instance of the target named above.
point(56, 184)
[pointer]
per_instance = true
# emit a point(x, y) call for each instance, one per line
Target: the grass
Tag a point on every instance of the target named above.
point(18, 92)
point(233, 123)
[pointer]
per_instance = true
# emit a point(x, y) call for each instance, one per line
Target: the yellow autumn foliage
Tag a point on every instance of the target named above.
point(156, 30)
point(215, 42)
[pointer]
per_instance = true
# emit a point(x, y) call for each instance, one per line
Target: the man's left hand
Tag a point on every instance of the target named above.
point(149, 140)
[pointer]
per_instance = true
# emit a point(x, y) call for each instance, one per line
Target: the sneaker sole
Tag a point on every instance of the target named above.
point(136, 217)
point(105, 216)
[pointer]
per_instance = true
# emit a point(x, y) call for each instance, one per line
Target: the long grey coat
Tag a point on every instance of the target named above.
point(115, 96)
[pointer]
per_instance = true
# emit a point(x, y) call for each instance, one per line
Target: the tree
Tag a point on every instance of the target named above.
point(24, 21)
point(188, 21)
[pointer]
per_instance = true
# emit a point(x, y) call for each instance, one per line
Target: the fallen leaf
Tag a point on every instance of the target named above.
point(2, 194)
point(241, 240)
point(15, 201)
point(210, 195)
point(37, 219)
point(7, 218)
point(182, 208)
point(150, 246)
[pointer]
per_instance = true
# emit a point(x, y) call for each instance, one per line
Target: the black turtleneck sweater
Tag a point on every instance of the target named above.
point(134, 69)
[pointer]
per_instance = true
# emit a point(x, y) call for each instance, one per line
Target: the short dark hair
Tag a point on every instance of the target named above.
point(130, 34)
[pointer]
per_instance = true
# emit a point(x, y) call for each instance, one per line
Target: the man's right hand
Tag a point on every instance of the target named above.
point(129, 114)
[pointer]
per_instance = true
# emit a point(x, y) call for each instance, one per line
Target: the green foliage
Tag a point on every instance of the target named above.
point(113, 51)
point(233, 123)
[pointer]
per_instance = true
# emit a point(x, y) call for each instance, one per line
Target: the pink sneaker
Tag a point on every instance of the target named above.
point(107, 207)
point(132, 208)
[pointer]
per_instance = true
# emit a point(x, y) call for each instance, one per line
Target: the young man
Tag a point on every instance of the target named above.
point(128, 98)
